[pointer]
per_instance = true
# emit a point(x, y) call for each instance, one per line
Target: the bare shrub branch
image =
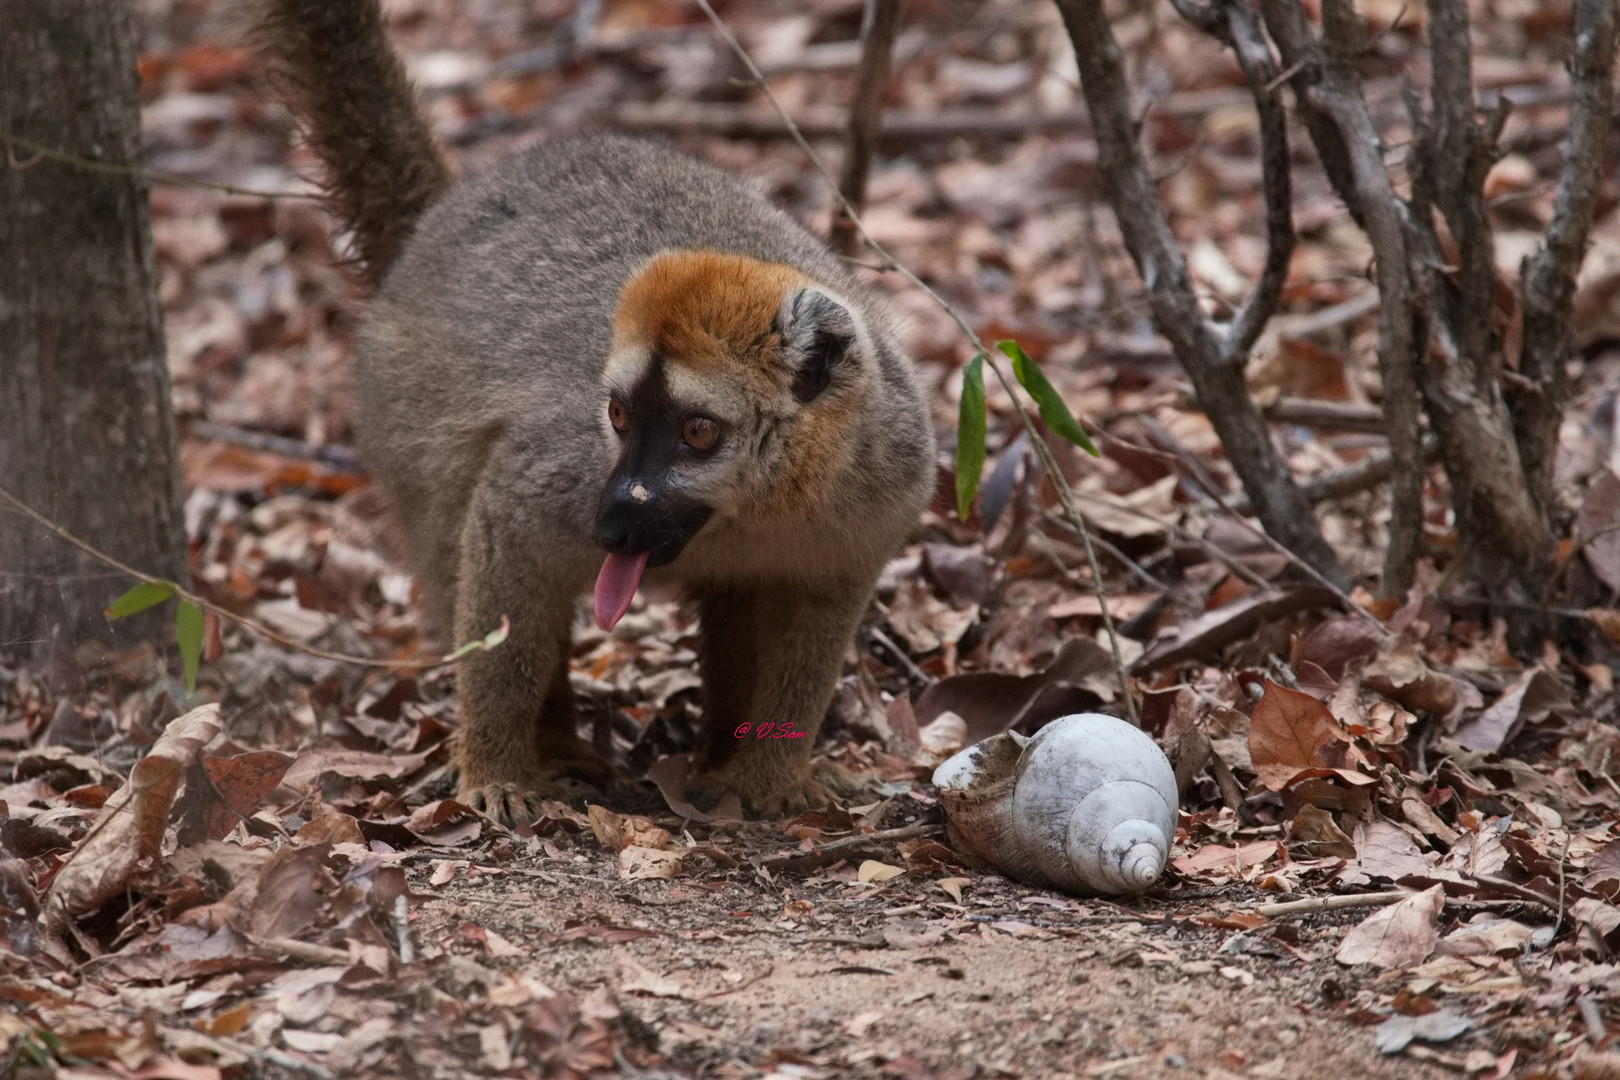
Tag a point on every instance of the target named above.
point(1204, 349)
point(871, 88)
point(1548, 277)
point(1328, 85)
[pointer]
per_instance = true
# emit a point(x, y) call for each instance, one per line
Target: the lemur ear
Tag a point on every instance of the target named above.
point(818, 334)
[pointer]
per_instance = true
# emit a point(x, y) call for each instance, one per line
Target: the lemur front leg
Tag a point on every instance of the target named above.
point(517, 745)
point(770, 660)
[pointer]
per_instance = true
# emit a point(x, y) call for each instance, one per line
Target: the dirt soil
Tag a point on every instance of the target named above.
point(829, 977)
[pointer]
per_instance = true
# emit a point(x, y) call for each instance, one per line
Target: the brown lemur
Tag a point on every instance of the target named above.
point(602, 359)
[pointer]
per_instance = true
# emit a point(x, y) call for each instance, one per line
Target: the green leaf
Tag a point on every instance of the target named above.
point(1053, 410)
point(490, 640)
point(970, 436)
point(146, 594)
point(188, 631)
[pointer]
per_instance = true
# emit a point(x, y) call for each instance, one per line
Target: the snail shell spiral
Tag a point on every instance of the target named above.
point(1087, 805)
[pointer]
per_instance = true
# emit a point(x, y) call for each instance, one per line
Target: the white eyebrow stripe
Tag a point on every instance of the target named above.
point(626, 369)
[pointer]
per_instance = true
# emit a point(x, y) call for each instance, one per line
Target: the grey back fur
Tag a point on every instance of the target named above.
point(481, 359)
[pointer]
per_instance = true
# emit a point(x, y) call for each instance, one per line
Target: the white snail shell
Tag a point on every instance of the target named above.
point(1086, 805)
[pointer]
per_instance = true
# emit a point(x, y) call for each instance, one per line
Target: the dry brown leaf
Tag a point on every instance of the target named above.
point(1400, 935)
point(636, 978)
point(130, 826)
point(1227, 862)
point(1291, 733)
point(638, 863)
point(1315, 834)
point(1400, 675)
point(620, 831)
point(872, 870)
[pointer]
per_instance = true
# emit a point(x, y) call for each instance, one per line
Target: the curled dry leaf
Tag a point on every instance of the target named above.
point(1400, 935)
point(1079, 677)
point(619, 832)
point(1400, 675)
point(1531, 698)
point(670, 775)
point(130, 827)
point(1293, 736)
point(1314, 834)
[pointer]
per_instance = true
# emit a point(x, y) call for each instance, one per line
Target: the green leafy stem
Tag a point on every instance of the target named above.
point(970, 425)
point(190, 608)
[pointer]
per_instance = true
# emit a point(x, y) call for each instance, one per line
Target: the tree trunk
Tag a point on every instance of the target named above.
point(86, 426)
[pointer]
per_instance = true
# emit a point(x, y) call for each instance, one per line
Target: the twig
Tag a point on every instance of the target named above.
point(208, 605)
point(1369, 472)
point(899, 126)
point(883, 836)
point(1521, 891)
point(324, 955)
point(1317, 904)
point(1338, 415)
point(1065, 493)
point(901, 655)
point(904, 832)
point(1563, 856)
point(1104, 546)
point(336, 456)
point(1196, 470)
point(871, 88)
point(1232, 564)
point(107, 168)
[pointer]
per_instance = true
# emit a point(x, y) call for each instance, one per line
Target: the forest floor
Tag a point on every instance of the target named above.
point(1438, 815)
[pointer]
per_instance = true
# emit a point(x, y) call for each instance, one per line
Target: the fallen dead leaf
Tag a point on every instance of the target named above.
point(130, 826)
point(1397, 936)
point(873, 871)
point(638, 863)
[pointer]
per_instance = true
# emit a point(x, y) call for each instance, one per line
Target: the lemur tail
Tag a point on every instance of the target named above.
point(330, 60)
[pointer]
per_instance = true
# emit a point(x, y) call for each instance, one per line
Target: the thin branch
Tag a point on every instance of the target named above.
point(107, 168)
point(1248, 44)
point(1352, 479)
point(1194, 470)
point(1199, 345)
point(1335, 110)
point(1065, 493)
point(1336, 415)
point(1548, 290)
point(1232, 563)
point(1318, 904)
point(337, 457)
point(871, 89)
point(208, 605)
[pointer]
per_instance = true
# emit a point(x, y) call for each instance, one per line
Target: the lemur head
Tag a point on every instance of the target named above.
point(731, 389)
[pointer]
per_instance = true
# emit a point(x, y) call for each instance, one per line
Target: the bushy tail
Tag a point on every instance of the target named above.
point(331, 61)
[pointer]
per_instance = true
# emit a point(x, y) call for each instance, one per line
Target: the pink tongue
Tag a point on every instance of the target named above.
point(616, 586)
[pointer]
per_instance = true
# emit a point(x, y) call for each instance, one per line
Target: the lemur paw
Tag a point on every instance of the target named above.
point(764, 793)
point(575, 775)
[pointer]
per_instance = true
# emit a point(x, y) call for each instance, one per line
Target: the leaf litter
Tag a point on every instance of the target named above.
point(281, 881)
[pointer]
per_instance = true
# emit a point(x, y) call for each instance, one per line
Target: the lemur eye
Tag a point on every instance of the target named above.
point(700, 433)
point(618, 416)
